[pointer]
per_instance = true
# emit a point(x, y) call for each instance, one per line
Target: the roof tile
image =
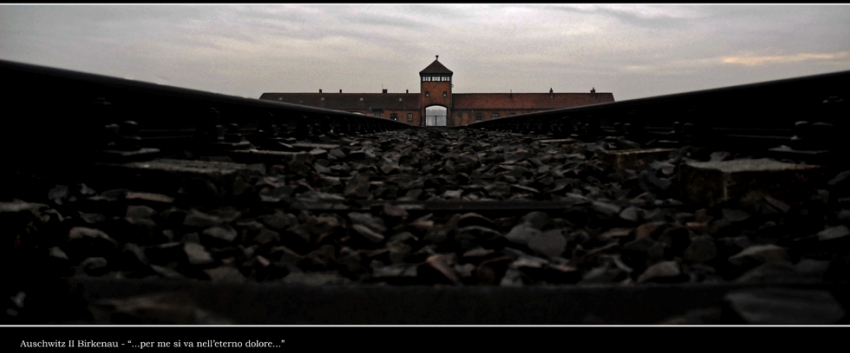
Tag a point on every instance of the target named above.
point(541, 101)
point(436, 68)
point(349, 101)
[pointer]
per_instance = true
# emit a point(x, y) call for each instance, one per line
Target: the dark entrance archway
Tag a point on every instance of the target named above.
point(435, 115)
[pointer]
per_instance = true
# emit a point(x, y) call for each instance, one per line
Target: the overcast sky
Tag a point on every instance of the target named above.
point(633, 51)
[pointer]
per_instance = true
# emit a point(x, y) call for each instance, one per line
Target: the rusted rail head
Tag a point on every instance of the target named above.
point(808, 107)
point(70, 109)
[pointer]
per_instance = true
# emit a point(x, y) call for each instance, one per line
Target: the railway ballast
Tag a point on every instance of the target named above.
point(621, 213)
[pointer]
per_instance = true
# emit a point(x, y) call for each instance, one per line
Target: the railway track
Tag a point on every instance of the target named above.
point(130, 202)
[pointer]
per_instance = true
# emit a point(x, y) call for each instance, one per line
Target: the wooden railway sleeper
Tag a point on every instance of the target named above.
point(302, 127)
point(208, 128)
point(267, 128)
point(232, 134)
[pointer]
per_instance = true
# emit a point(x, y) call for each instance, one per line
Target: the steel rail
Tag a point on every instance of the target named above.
point(42, 78)
point(804, 106)
point(63, 112)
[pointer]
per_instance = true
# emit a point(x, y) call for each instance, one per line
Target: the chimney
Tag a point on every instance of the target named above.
point(384, 91)
point(407, 91)
point(320, 90)
point(340, 91)
point(551, 93)
point(593, 92)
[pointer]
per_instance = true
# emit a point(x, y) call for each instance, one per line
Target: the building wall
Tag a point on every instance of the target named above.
point(461, 109)
point(387, 114)
point(467, 116)
point(468, 105)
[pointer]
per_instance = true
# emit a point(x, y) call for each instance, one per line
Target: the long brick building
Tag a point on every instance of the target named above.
point(436, 105)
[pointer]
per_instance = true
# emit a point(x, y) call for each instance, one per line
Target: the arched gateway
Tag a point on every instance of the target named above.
point(435, 115)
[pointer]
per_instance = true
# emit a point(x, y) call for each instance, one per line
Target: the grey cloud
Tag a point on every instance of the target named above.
point(632, 51)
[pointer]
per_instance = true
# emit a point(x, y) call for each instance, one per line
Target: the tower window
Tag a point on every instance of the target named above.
point(495, 115)
point(410, 117)
point(444, 94)
point(479, 116)
point(394, 116)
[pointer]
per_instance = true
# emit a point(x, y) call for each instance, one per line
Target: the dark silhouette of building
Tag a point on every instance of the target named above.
point(436, 105)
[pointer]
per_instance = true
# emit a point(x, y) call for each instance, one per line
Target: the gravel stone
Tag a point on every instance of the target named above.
point(89, 242)
point(225, 274)
point(772, 272)
point(199, 219)
point(221, 234)
point(606, 209)
point(164, 254)
point(266, 237)
point(522, 234)
point(665, 271)
point(368, 234)
point(166, 272)
point(442, 263)
point(279, 220)
point(512, 278)
point(832, 233)
point(57, 253)
point(95, 266)
point(630, 214)
point(357, 187)
point(196, 254)
point(701, 249)
point(398, 270)
point(648, 229)
point(537, 220)
point(394, 211)
point(548, 244)
point(761, 254)
point(133, 257)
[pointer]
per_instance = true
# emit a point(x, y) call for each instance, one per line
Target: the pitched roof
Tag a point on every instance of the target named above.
point(349, 101)
point(541, 101)
point(435, 68)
